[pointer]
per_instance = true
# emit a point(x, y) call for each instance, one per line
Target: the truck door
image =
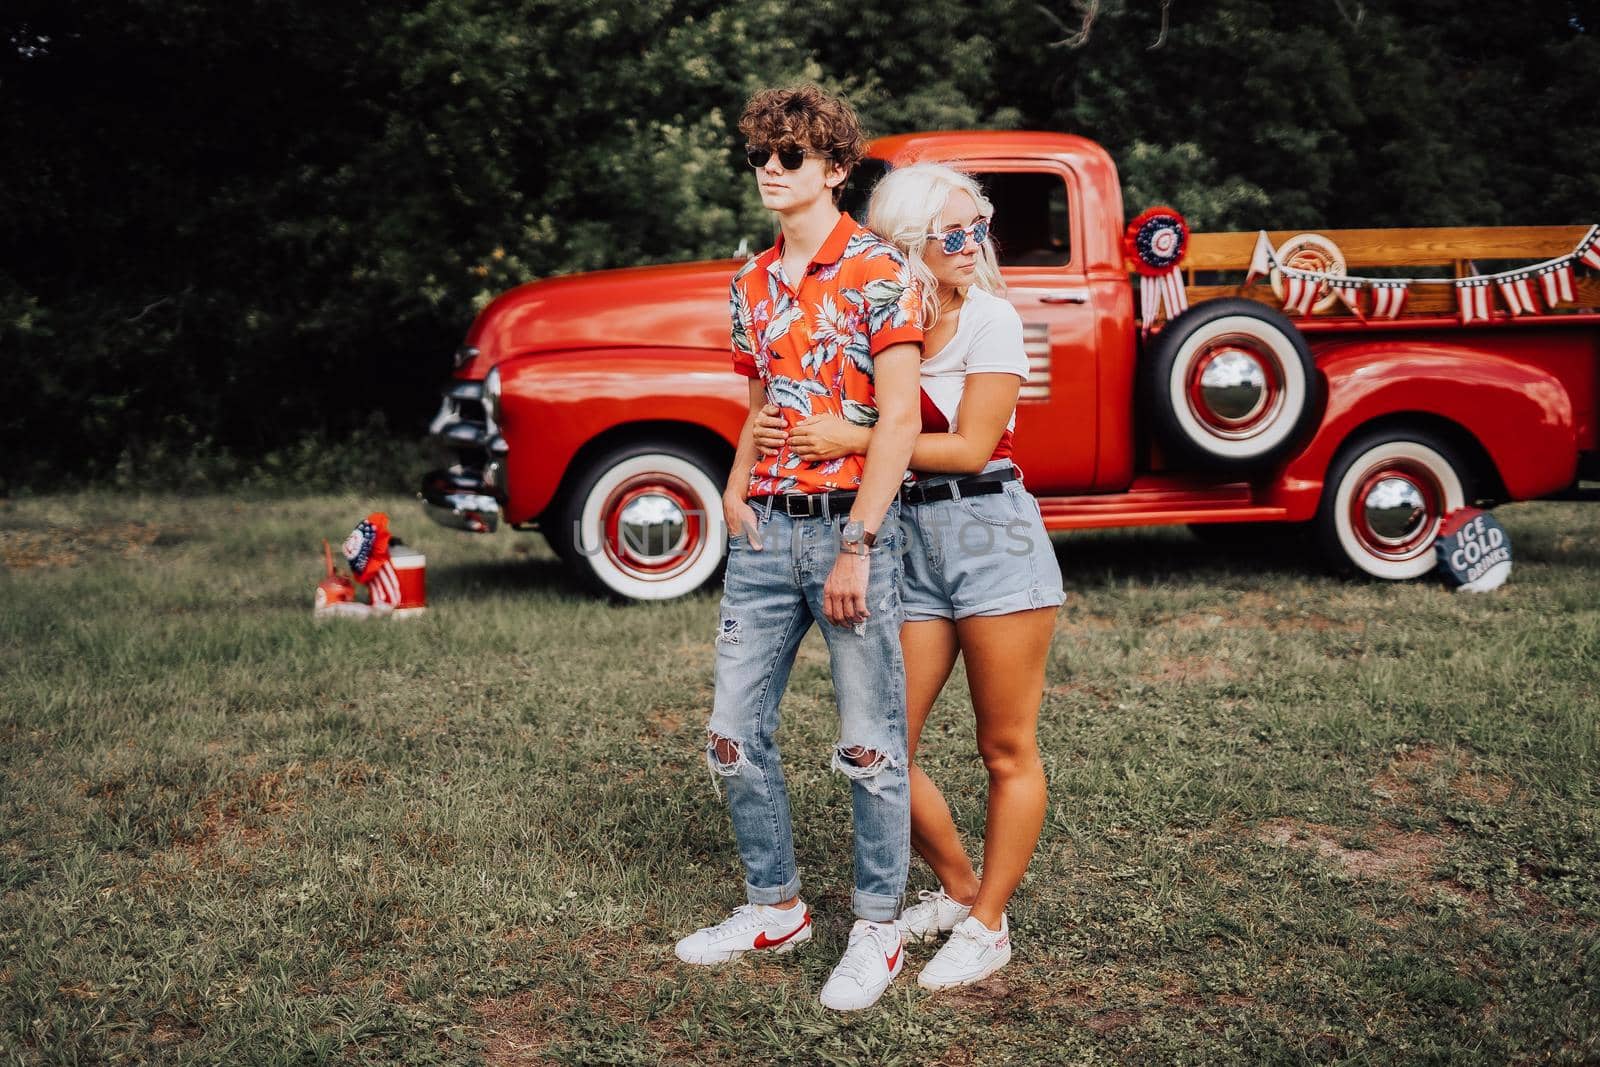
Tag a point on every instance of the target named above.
point(1058, 411)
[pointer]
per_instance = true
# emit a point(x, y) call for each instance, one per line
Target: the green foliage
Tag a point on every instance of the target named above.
point(246, 223)
point(1360, 114)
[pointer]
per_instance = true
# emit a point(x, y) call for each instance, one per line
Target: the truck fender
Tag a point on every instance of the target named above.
point(553, 404)
point(1519, 415)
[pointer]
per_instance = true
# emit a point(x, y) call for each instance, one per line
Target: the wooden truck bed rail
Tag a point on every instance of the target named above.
point(1456, 252)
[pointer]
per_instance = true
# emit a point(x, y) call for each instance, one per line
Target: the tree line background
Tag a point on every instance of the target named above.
point(253, 229)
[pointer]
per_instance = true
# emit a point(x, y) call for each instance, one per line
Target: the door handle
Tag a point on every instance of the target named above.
point(1065, 296)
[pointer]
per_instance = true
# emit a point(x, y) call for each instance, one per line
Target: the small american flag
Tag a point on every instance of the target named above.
point(385, 585)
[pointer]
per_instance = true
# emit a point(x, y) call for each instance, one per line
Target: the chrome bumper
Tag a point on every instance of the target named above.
point(466, 496)
point(456, 497)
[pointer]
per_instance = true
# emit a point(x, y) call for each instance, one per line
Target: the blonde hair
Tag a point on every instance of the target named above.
point(905, 208)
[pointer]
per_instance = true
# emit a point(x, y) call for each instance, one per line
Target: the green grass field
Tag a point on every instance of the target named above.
point(1293, 818)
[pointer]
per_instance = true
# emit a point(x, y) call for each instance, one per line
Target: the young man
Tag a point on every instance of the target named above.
point(827, 320)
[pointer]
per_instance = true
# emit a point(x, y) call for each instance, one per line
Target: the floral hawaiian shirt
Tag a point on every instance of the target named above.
point(813, 348)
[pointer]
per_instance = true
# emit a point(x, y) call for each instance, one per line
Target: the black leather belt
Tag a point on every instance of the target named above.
point(972, 485)
point(808, 505)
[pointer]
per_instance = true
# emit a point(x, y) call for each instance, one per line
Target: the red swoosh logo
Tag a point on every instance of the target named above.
point(763, 941)
point(892, 960)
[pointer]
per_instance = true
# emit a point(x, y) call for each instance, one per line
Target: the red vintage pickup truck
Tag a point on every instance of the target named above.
point(602, 410)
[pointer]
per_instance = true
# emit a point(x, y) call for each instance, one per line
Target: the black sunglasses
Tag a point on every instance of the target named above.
point(791, 158)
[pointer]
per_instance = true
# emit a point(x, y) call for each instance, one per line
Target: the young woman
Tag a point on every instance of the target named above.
point(981, 579)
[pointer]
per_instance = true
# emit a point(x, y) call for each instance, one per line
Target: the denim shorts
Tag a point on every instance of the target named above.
point(978, 555)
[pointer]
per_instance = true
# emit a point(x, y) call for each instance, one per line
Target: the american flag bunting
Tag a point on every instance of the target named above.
point(1350, 294)
point(1260, 259)
point(1389, 299)
point(1521, 289)
point(1299, 292)
point(1556, 281)
point(1472, 294)
point(1589, 249)
point(1517, 291)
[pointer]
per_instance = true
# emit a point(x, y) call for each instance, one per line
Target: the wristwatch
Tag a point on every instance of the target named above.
point(855, 539)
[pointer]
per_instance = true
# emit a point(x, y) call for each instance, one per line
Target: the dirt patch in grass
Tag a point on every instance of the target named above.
point(1483, 787)
point(1398, 781)
point(956, 1056)
point(1258, 611)
point(69, 546)
point(1103, 695)
point(1085, 623)
point(420, 842)
point(520, 1029)
point(1384, 852)
point(1402, 779)
point(662, 722)
point(251, 810)
point(1297, 622)
point(517, 1028)
point(1107, 1022)
point(985, 996)
point(166, 1030)
point(219, 819)
point(1182, 670)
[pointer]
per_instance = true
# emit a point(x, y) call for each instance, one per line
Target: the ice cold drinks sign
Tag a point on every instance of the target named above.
point(1474, 550)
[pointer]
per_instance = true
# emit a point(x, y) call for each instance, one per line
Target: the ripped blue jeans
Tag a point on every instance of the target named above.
point(770, 599)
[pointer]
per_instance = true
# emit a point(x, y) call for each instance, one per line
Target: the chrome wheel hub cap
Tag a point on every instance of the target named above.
point(651, 528)
point(1234, 386)
point(1394, 510)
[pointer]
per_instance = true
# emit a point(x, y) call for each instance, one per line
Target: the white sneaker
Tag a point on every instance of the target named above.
point(751, 928)
point(973, 953)
point(874, 956)
point(932, 915)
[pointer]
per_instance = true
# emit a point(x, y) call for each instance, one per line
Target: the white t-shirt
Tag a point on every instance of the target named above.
point(988, 340)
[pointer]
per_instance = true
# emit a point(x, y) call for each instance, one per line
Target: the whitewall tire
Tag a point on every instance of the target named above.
point(1231, 385)
point(1384, 499)
point(644, 522)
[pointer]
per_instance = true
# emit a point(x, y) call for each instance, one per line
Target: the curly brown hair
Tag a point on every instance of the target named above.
point(808, 117)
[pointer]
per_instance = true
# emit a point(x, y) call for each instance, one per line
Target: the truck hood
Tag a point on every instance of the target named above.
point(684, 305)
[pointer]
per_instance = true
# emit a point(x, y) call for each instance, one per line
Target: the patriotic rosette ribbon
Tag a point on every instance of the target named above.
point(1156, 242)
point(367, 552)
point(1520, 288)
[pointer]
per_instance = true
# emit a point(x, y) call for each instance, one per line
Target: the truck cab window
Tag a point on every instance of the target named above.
point(858, 187)
point(1030, 218)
